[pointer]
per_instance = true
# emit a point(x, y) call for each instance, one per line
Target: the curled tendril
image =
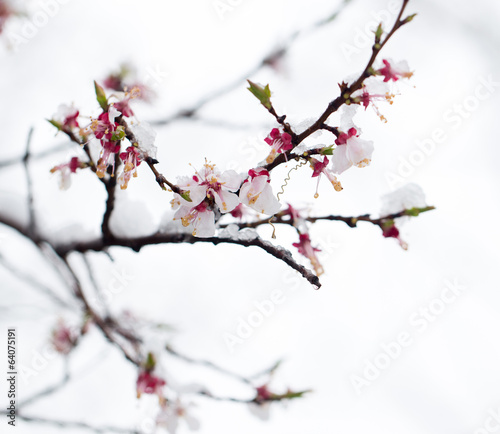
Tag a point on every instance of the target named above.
point(282, 191)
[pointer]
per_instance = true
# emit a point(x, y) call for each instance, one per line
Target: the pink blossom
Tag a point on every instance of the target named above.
point(351, 150)
point(149, 383)
point(200, 217)
point(174, 411)
point(256, 192)
point(320, 167)
point(305, 248)
point(114, 82)
point(394, 72)
point(131, 158)
point(279, 142)
point(66, 170)
point(5, 13)
point(123, 105)
point(263, 393)
point(207, 189)
point(106, 130)
point(63, 338)
point(389, 230)
point(239, 211)
point(67, 117)
point(372, 91)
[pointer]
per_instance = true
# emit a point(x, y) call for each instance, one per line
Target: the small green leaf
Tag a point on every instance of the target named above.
point(58, 125)
point(263, 94)
point(415, 212)
point(119, 134)
point(185, 195)
point(409, 18)
point(328, 150)
point(293, 395)
point(101, 96)
point(379, 32)
point(150, 362)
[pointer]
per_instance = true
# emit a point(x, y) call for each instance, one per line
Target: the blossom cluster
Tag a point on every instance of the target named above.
point(110, 132)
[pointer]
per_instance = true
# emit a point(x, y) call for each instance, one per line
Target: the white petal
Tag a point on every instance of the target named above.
point(172, 421)
point(231, 179)
point(359, 151)
point(339, 160)
point(346, 122)
point(260, 411)
point(267, 203)
point(227, 202)
point(205, 224)
point(192, 422)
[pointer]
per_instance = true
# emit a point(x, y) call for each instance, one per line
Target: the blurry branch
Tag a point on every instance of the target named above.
point(206, 363)
point(34, 283)
point(37, 156)
point(138, 243)
point(268, 60)
point(73, 424)
point(93, 281)
point(102, 324)
point(29, 185)
point(50, 390)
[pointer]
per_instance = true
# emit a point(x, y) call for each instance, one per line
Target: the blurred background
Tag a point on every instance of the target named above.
point(345, 341)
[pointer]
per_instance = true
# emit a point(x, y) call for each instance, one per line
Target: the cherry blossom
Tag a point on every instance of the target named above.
point(200, 217)
point(208, 190)
point(409, 197)
point(306, 249)
point(63, 338)
point(389, 230)
point(372, 91)
point(150, 384)
point(351, 150)
point(239, 212)
point(261, 405)
point(279, 142)
point(320, 167)
point(5, 13)
point(174, 411)
point(131, 158)
point(394, 72)
point(256, 192)
point(109, 133)
point(123, 105)
point(66, 170)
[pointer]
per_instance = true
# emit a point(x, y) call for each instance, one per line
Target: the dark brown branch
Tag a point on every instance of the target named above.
point(349, 90)
point(284, 218)
point(137, 244)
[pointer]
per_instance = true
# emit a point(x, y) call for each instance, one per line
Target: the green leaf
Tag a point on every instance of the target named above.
point(119, 134)
point(185, 195)
point(150, 362)
point(293, 395)
point(415, 212)
point(101, 96)
point(409, 18)
point(327, 150)
point(378, 33)
point(263, 94)
point(58, 125)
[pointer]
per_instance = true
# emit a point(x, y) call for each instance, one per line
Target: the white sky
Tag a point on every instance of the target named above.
point(446, 381)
